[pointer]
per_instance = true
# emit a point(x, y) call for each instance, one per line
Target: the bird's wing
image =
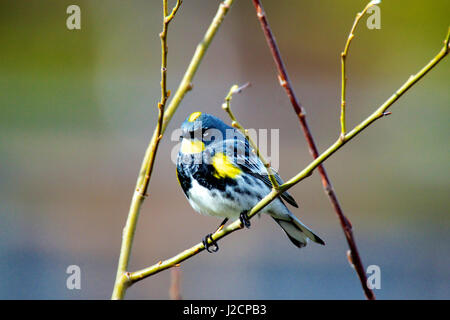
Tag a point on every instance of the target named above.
point(247, 160)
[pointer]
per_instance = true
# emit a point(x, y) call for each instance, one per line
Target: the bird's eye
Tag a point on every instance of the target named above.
point(205, 132)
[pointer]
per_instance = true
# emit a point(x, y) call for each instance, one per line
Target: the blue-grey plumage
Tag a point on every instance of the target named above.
point(222, 177)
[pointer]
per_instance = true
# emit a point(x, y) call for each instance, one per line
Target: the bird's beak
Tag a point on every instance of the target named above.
point(184, 134)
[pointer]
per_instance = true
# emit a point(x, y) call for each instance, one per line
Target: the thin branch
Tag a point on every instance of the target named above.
point(379, 113)
point(164, 93)
point(123, 277)
point(202, 47)
point(175, 285)
point(235, 124)
point(140, 193)
point(326, 183)
point(344, 53)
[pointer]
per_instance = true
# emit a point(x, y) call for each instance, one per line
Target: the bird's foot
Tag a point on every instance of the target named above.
point(210, 247)
point(244, 219)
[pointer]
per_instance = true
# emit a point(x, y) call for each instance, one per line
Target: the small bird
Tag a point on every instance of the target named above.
point(221, 176)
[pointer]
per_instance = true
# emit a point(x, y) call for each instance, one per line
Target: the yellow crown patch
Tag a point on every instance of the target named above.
point(194, 116)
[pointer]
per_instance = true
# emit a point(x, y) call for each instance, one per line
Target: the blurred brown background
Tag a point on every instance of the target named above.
point(79, 107)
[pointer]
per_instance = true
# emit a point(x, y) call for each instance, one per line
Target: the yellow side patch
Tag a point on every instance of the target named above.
point(189, 146)
point(194, 116)
point(178, 178)
point(224, 168)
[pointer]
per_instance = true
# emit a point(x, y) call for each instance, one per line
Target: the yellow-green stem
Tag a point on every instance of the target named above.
point(235, 124)
point(140, 193)
point(122, 279)
point(343, 66)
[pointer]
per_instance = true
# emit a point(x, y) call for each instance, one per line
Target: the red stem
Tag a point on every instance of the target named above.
point(286, 84)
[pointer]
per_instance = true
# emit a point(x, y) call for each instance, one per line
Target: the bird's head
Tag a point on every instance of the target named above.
point(201, 129)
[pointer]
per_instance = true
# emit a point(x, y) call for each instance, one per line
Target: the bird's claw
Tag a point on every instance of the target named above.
point(210, 247)
point(244, 219)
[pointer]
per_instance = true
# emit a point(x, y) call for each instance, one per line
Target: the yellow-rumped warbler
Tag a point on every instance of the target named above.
point(222, 177)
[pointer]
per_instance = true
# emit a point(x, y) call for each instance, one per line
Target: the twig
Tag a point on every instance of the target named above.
point(202, 47)
point(343, 60)
point(122, 278)
point(379, 113)
point(235, 124)
point(147, 165)
point(326, 183)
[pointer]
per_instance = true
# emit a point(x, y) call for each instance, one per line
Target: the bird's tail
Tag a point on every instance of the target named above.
point(297, 232)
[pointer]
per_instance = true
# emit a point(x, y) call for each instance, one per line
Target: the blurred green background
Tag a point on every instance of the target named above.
point(79, 107)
